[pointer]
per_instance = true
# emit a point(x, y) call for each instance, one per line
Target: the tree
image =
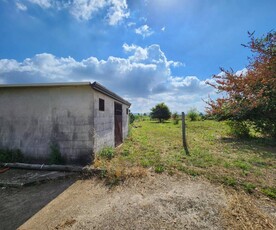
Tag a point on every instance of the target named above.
point(250, 97)
point(160, 112)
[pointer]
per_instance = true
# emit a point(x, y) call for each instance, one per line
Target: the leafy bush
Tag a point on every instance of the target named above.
point(55, 155)
point(106, 153)
point(193, 114)
point(239, 129)
point(11, 155)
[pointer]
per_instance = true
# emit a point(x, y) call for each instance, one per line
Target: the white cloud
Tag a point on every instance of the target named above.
point(117, 12)
point(144, 31)
point(42, 3)
point(163, 28)
point(83, 10)
point(143, 77)
point(21, 6)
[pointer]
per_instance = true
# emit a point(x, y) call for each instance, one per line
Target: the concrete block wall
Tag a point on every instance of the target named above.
point(103, 122)
point(33, 118)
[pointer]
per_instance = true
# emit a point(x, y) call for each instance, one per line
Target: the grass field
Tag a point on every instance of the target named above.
point(248, 164)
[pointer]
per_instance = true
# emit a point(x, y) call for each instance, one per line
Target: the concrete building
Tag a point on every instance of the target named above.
point(81, 118)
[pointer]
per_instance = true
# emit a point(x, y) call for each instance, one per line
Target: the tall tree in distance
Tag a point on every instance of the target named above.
point(161, 112)
point(250, 97)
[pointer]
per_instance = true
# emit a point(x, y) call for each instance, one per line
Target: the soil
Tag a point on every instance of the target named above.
point(154, 202)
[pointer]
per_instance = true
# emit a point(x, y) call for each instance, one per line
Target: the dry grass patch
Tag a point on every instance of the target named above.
point(242, 213)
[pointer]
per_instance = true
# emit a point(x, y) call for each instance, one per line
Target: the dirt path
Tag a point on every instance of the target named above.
point(154, 202)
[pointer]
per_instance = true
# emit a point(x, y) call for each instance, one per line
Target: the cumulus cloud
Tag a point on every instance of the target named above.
point(144, 31)
point(143, 77)
point(116, 10)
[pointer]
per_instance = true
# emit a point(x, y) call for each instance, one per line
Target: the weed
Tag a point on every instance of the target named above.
point(11, 155)
point(230, 181)
point(55, 154)
point(242, 165)
point(249, 187)
point(159, 168)
point(270, 192)
point(106, 153)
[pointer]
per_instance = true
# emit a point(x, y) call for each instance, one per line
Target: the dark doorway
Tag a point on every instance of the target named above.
point(118, 124)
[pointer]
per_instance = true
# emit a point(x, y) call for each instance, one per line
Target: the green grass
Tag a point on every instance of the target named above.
point(245, 164)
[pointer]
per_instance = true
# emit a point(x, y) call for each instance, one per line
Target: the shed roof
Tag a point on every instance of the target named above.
point(95, 85)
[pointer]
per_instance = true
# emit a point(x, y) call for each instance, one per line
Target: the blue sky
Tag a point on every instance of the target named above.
point(147, 51)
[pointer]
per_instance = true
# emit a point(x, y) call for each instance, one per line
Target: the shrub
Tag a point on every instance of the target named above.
point(131, 118)
point(55, 155)
point(239, 129)
point(11, 155)
point(175, 118)
point(106, 153)
point(249, 96)
point(193, 114)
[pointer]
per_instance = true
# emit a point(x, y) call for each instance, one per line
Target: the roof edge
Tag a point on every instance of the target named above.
point(95, 85)
point(45, 84)
point(98, 87)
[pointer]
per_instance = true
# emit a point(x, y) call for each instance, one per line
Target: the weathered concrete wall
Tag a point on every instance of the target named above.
point(31, 118)
point(125, 121)
point(104, 122)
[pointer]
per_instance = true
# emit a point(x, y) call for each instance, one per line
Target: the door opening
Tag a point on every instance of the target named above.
point(118, 120)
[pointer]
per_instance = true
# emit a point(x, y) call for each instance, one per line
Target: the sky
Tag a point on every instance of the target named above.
point(147, 51)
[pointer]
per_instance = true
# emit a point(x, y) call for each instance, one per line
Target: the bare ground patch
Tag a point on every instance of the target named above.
point(153, 202)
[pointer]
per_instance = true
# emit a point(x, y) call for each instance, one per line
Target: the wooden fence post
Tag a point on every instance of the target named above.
point(184, 134)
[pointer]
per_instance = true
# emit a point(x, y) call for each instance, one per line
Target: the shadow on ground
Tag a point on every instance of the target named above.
point(20, 203)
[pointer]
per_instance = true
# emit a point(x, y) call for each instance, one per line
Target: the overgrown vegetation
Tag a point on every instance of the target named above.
point(247, 164)
point(193, 115)
point(175, 118)
point(250, 97)
point(106, 153)
point(11, 155)
point(55, 155)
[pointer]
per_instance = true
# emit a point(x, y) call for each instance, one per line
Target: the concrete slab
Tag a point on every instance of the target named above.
point(23, 177)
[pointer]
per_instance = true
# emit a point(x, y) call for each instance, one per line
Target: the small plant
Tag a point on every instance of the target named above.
point(55, 155)
point(230, 181)
point(270, 192)
point(193, 114)
point(11, 155)
point(159, 168)
point(106, 153)
point(249, 187)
